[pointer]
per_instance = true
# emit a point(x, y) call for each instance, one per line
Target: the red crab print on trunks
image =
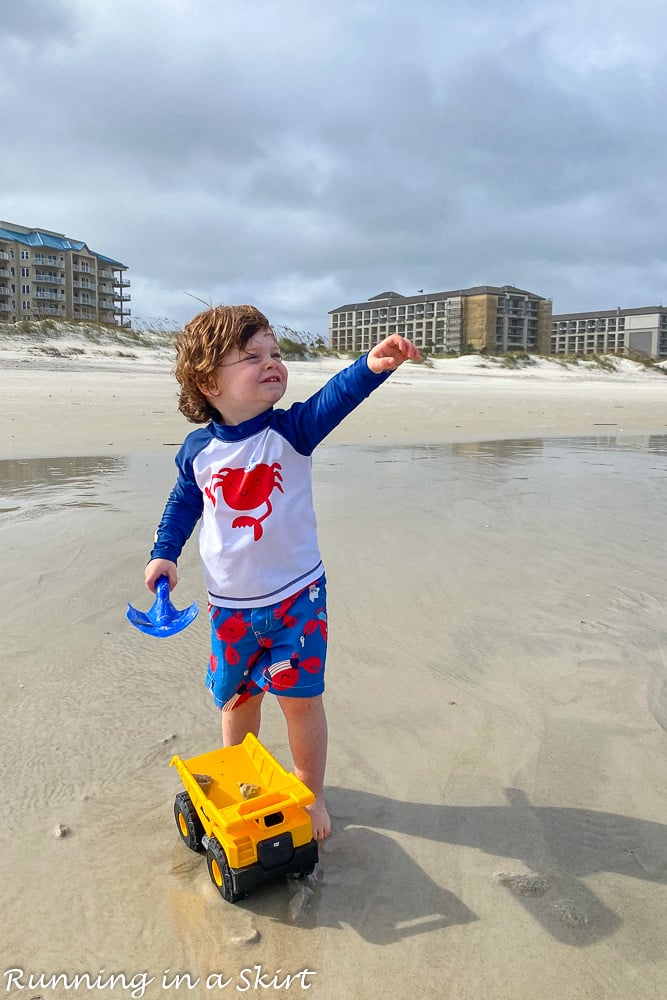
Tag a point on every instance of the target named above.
point(247, 489)
point(281, 676)
point(282, 612)
point(245, 691)
point(229, 632)
point(313, 624)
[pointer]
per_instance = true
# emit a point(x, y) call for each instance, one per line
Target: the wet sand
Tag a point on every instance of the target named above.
point(497, 700)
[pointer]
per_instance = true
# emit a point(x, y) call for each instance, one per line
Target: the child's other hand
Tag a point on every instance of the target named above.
point(157, 568)
point(390, 353)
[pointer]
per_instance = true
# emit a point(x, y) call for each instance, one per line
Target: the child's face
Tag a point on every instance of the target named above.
point(248, 382)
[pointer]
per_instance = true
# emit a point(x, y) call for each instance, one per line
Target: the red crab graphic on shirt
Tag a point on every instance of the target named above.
point(247, 489)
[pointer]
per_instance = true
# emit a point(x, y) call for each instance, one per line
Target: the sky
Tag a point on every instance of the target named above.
point(300, 155)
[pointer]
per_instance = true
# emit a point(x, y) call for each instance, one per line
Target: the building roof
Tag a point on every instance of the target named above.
point(395, 297)
point(55, 241)
point(610, 313)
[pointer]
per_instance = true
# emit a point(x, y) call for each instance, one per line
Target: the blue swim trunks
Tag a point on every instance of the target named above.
point(281, 648)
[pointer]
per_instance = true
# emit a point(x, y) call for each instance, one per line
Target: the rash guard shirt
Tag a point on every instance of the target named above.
point(251, 485)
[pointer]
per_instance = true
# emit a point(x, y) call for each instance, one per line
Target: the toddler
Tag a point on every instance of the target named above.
point(247, 476)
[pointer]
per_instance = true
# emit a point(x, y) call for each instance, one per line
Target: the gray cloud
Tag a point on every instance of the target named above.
point(33, 21)
point(303, 155)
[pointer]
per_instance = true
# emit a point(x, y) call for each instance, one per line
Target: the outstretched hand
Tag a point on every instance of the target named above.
point(390, 353)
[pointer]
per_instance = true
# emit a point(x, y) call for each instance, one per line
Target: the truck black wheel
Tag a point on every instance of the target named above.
point(218, 869)
point(188, 822)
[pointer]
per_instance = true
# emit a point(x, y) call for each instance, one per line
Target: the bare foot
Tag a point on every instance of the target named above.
point(320, 819)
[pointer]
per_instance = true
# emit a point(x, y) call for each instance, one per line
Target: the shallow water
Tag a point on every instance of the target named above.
point(31, 486)
point(47, 484)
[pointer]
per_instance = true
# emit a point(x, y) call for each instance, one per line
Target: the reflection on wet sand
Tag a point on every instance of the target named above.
point(514, 450)
point(527, 448)
point(29, 485)
point(507, 451)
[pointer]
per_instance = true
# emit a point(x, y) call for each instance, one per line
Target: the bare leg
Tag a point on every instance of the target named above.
point(307, 732)
point(239, 721)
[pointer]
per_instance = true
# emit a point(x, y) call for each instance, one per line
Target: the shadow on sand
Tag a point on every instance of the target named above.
point(375, 887)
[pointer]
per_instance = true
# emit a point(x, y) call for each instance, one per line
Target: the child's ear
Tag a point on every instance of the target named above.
point(210, 387)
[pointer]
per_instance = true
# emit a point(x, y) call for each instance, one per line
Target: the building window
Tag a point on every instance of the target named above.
point(25, 289)
point(25, 255)
point(25, 272)
point(25, 305)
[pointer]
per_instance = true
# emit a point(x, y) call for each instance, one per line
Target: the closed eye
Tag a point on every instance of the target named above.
point(256, 357)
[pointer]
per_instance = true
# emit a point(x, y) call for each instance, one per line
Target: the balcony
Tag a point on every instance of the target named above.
point(4, 307)
point(49, 260)
point(122, 298)
point(4, 255)
point(52, 279)
point(122, 312)
point(53, 296)
point(121, 283)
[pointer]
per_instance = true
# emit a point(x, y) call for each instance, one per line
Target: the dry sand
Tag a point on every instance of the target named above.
point(496, 693)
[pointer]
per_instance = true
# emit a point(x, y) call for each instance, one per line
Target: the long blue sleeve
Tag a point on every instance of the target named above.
point(307, 424)
point(182, 510)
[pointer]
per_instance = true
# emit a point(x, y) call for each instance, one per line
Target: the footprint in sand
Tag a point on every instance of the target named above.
point(531, 884)
point(526, 884)
point(570, 914)
point(301, 891)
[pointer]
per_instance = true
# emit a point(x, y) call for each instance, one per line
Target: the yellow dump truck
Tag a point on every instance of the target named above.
point(248, 814)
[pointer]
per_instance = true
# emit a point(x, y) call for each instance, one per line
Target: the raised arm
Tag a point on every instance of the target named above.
point(307, 424)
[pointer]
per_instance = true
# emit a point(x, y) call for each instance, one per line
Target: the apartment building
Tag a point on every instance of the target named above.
point(47, 275)
point(641, 331)
point(488, 318)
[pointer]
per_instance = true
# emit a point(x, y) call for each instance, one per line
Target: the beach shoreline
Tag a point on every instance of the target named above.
point(58, 408)
point(496, 693)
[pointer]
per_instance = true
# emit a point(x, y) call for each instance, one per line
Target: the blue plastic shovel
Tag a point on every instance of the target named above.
point(163, 619)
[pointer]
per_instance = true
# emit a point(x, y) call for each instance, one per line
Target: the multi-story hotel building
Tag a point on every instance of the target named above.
point(486, 317)
point(46, 275)
point(640, 331)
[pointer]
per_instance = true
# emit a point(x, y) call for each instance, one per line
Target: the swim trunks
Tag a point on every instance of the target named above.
point(280, 648)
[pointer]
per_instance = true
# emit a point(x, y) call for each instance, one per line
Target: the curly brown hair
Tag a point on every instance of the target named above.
point(202, 345)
